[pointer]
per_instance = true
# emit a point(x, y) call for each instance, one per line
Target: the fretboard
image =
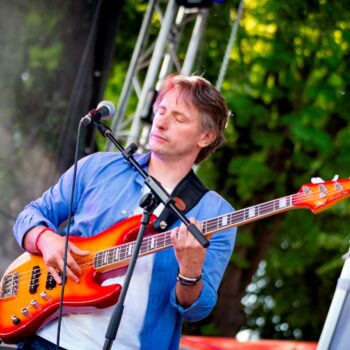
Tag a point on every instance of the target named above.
point(161, 241)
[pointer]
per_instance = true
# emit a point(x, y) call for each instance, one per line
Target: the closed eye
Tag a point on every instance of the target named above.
point(180, 117)
point(161, 110)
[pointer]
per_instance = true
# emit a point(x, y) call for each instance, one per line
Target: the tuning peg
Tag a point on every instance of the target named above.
point(317, 180)
point(335, 178)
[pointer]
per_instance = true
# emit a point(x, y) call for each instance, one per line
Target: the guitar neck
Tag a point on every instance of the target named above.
point(120, 255)
point(244, 216)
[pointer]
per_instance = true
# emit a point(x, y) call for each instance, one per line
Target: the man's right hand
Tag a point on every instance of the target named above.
point(51, 246)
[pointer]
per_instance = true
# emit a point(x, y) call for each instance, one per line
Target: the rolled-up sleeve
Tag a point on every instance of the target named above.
point(52, 208)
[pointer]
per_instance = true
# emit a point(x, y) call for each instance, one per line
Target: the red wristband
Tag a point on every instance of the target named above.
point(38, 236)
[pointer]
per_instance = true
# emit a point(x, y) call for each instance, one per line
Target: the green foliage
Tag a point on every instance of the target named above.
point(286, 85)
point(210, 329)
point(299, 274)
point(44, 42)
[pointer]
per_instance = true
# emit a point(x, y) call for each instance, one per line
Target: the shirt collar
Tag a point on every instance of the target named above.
point(143, 160)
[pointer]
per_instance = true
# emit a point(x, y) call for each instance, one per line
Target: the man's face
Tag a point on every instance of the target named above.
point(176, 131)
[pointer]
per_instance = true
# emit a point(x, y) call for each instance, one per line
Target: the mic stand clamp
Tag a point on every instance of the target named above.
point(148, 202)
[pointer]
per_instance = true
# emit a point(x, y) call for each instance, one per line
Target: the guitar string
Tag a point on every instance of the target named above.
point(267, 205)
point(162, 239)
point(207, 224)
point(211, 223)
point(122, 251)
point(86, 264)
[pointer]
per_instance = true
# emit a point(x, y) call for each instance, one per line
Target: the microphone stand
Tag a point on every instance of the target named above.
point(159, 194)
point(148, 202)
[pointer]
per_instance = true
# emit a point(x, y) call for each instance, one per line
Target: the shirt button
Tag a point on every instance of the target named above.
point(123, 212)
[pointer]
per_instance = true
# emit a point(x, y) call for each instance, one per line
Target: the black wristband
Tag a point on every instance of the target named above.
point(187, 281)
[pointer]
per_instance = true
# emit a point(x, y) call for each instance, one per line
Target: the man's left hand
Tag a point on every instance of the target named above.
point(188, 251)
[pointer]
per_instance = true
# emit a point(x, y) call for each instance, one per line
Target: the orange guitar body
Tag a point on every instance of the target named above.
point(33, 301)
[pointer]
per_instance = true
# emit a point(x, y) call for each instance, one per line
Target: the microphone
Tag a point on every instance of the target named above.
point(104, 110)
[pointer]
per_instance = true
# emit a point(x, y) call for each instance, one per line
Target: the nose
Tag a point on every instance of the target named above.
point(161, 120)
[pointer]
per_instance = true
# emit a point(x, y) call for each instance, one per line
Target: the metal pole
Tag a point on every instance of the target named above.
point(167, 62)
point(328, 335)
point(126, 91)
point(152, 71)
point(196, 37)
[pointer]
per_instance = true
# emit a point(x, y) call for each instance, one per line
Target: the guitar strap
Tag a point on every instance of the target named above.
point(186, 195)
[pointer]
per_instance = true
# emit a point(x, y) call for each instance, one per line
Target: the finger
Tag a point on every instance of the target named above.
point(182, 232)
point(174, 235)
point(73, 265)
point(193, 241)
point(55, 274)
point(197, 223)
point(199, 226)
point(69, 273)
point(77, 251)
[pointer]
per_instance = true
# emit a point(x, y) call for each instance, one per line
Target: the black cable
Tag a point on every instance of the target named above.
point(78, 80)
point(64, 272)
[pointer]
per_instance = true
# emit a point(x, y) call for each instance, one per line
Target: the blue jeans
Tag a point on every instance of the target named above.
point(35, 342)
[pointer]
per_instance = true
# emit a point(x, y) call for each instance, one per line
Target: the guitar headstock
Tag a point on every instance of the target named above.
point(320, 195)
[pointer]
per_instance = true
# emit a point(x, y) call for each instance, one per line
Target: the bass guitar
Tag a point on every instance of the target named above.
point(30, 297)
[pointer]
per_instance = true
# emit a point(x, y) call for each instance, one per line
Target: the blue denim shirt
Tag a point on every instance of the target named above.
point(107, 190)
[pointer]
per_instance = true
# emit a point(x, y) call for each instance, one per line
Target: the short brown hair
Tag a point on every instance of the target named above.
point(209, 102)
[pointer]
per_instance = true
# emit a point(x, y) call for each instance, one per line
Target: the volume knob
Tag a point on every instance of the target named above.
point(15, 320)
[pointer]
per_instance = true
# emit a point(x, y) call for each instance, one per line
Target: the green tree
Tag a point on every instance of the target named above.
point(287, 87)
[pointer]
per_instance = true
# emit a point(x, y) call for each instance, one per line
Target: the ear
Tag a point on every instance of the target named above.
point(206, 138)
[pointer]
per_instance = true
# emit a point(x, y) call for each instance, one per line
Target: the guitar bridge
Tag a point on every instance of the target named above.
point(9, 285)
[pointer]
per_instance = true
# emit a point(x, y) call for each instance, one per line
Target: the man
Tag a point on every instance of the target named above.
point(169, 286)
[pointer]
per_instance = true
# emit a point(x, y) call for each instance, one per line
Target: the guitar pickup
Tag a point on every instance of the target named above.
point(34, 281)
point(50, 282)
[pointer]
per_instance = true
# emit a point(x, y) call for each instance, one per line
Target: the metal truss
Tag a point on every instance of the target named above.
point(152, 60)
